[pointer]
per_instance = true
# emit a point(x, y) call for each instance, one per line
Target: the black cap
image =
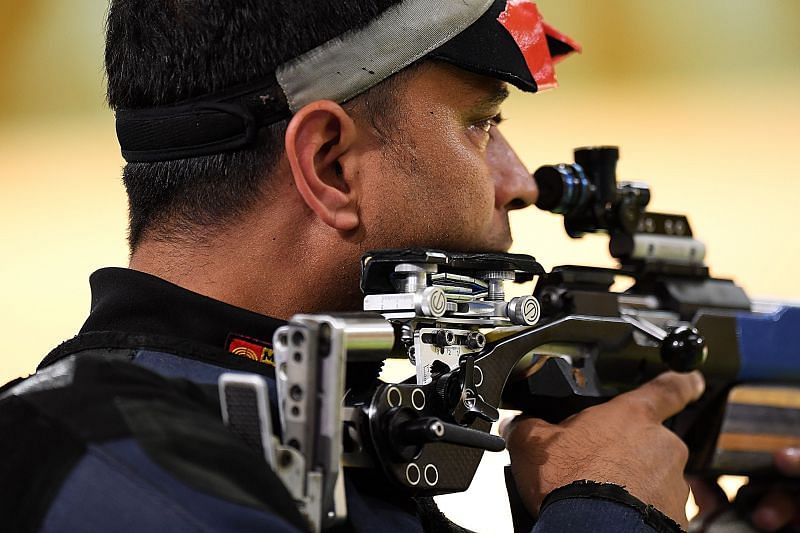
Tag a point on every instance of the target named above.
point(510, 42)
point(504, 39)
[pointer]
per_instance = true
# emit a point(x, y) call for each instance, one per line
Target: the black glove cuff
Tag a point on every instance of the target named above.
point(615, 493)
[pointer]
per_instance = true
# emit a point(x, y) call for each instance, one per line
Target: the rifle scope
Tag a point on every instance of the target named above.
point(587, 193)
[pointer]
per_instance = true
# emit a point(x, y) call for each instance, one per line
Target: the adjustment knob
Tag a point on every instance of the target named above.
point(494, 280)
point(498, 274)
point(524, 310)
point(683, 349)
point(470, 405)
point(431, 302)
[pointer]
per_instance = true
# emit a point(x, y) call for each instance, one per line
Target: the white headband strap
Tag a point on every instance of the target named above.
point(350, 64)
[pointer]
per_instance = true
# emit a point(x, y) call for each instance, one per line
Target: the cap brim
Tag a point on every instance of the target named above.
point(512, 43)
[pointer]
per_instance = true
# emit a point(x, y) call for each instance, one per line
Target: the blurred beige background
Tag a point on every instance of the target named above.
point(702, 97)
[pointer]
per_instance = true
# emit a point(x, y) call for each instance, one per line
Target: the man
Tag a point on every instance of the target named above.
point(269, 145)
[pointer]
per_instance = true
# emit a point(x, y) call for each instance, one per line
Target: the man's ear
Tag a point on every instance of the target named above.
point(318, 135)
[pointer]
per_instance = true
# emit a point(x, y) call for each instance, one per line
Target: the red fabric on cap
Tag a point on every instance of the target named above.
point(523, 21)
point(555, 34)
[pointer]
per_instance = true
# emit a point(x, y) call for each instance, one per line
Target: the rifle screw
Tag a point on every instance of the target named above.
point(296, 392)
point(285, 458)
point(298, 338)
point(407, 334)
point(476, 340)
point(445, 337)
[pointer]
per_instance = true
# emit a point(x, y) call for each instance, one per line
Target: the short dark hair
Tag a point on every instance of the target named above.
point(159, 52)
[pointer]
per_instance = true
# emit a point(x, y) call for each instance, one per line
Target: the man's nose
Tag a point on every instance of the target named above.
point(514, 187)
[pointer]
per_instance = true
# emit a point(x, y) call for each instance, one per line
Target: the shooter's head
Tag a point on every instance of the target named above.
point(325, 126)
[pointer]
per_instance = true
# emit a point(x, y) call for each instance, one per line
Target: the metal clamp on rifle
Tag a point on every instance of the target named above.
point(429, 433)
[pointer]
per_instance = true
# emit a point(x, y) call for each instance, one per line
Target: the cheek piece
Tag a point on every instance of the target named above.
point(503, 39)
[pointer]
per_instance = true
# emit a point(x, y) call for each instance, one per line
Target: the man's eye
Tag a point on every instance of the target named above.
point(487, 124)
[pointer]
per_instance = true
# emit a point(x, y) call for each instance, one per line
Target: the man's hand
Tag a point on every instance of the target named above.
point(779, 508)
point(622, 441)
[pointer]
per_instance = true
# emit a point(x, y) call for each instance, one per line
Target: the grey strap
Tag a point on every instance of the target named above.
point(355, 61)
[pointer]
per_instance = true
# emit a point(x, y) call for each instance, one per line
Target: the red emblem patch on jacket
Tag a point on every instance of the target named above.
point(251, 348)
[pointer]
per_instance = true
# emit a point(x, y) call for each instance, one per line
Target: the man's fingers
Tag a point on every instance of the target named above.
point(774, 511)
point(708, 496)
point(788, 461)
point(521, 424)
point(505, 425)
point(667, 394)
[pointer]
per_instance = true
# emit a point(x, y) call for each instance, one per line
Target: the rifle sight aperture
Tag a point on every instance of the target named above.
point(587, 193)
point(591, 200)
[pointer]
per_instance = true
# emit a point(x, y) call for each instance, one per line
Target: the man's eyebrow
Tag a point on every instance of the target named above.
point(493, 100)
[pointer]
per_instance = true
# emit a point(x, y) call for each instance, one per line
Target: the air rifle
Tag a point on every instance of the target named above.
point(573, 343)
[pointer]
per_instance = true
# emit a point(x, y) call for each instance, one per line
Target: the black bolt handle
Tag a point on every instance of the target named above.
point(683, 349)
point(432, 429)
